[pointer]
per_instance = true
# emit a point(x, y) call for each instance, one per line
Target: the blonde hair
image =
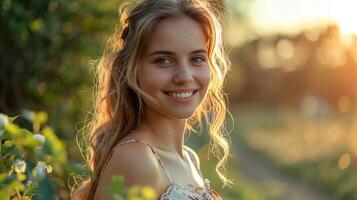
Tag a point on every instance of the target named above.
point(118, 105)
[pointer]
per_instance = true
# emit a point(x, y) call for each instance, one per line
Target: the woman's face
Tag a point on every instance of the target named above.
point(174, 70)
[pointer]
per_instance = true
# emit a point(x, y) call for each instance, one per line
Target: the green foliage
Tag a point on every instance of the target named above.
point(32, 162)
point(45, 53)
point(117, 191)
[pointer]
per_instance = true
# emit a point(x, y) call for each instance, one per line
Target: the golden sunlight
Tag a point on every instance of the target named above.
point(343, 12)
point(266, 15)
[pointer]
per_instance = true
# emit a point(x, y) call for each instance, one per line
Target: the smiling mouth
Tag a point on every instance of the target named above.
point(181, 94)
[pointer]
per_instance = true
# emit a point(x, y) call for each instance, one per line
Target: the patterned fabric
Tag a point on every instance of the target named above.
point(182, 192)
point(190, 192)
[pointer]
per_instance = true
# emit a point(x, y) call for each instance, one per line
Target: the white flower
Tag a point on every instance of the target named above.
point(28, 183)
point(40, 138)
point(4, 121)
point(49, 169)
point(41, 169)
point(27, 114)
point(19, 166)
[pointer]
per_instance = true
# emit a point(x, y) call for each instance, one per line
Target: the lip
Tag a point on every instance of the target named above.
point(186, 100)
point(180, 90)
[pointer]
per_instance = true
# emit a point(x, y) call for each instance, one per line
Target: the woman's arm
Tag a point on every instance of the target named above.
point(137, 164)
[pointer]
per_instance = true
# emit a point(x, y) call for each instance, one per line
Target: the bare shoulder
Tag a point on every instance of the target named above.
point(136, 163)
point(193, 155)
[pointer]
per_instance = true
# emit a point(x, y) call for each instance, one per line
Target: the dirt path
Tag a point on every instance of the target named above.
point(261, 172)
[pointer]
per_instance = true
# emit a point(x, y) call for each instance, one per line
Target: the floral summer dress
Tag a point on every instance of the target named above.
point(182, 192)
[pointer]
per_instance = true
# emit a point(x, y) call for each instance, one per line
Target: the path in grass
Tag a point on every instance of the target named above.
point(276, 183)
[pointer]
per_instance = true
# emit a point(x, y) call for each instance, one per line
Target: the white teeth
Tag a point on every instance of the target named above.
point(181, 95)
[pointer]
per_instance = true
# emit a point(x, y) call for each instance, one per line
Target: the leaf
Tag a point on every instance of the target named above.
point(13, 118)
point(4, 194)
point(21, 177)
point(45, 191)
point(13, 129)
point(118, 181)
point(117, 190)
point(37, 25)
point(40, 117)
point(54, 146)
point(134, 191)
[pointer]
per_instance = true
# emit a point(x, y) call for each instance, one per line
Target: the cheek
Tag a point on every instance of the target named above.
point(151, 80)
point(204, 77)
point(144, 79)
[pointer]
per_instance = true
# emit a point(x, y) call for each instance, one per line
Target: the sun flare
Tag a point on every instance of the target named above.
point(344, 13)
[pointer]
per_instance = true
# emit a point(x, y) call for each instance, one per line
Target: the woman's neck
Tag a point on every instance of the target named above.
point(166, 133)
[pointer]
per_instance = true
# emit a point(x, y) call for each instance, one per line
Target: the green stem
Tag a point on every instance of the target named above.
point(18, 193)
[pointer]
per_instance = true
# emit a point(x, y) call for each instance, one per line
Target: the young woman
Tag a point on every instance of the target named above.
point(164, 75)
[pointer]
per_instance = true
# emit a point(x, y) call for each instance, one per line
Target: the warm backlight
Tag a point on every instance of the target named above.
point(344, 13)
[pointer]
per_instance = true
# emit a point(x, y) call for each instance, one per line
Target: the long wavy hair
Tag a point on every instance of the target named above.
point(118, 102)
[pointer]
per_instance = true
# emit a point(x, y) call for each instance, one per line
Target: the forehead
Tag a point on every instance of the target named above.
point(177, 34)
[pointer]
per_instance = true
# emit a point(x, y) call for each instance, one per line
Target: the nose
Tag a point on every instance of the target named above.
point(183, 74)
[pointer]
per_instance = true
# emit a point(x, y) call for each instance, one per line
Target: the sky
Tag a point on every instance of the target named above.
point(292, 16)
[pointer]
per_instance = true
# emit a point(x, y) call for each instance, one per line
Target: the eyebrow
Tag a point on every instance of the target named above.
point(171, 53)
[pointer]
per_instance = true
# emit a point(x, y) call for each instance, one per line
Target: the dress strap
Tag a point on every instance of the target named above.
point(189, 153)
point(152, 149)
point(193, 160)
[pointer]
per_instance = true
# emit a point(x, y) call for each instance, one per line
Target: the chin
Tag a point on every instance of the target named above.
point(184, 117)
point(180, 115)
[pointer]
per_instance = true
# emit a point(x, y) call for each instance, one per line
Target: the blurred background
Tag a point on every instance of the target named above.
point(292, 91)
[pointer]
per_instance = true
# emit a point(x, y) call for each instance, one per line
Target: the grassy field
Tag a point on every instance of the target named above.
point(321, 150)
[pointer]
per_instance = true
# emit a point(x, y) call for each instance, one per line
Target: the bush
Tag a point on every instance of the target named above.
point(34, 164)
